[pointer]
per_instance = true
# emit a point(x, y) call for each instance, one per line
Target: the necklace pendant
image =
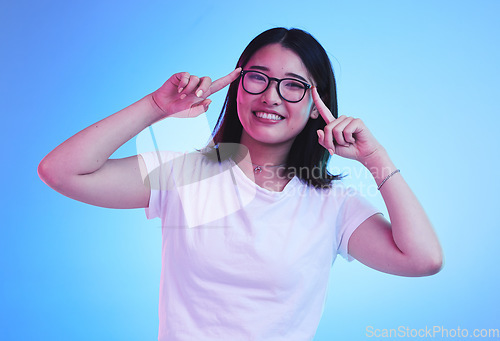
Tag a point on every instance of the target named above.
point(257, 170)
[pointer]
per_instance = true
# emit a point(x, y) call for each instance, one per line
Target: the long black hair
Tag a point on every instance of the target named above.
point(307, 159)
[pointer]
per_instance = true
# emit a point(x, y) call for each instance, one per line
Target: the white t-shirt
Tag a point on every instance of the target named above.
point(240, 262)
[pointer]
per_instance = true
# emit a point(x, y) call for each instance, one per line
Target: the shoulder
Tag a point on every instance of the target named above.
point(156, 159)
point(337, 191)
point(328, 200)
point(190, 160)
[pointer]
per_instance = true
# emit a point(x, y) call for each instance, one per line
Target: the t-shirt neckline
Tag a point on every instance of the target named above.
point(288, 187)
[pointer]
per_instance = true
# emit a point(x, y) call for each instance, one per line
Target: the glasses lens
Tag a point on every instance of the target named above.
point(292, 90)
point(255, 82)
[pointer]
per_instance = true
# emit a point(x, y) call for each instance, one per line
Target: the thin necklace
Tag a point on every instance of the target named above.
point(258, 169)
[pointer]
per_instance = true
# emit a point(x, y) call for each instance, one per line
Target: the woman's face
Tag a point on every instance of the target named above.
point(268, 118)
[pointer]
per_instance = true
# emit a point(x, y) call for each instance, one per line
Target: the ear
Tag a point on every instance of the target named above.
point(314, 112)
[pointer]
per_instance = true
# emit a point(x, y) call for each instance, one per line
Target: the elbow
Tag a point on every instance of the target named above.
point(434, 266)
point(430, 265)
point(43, 170)
point(47, 173)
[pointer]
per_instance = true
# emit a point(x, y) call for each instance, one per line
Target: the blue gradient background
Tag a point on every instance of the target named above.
point(423, 75)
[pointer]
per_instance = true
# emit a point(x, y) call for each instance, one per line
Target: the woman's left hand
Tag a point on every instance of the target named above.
point(345, 136)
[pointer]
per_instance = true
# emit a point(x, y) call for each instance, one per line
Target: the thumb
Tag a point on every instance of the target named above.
point(206, 103)
point(321, 137)
point(321, 141)
point(199, 108)
point(194, 110)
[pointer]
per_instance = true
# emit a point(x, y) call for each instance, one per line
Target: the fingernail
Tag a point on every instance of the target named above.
point(331, 152)
point(183, 96)
point(198, 93)
point(180, 90)
point(206, 106)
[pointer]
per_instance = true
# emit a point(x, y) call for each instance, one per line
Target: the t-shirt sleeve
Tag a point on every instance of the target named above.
point(158, 169)
point(354, 210)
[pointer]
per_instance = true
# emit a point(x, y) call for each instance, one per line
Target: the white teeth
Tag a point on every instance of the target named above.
point(268, 116)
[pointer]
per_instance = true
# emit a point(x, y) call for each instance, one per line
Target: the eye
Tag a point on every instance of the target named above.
point(291, 84)
point(256, 77)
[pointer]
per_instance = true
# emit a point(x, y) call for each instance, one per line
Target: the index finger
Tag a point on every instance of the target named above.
point(222, 82)
point(322, 108)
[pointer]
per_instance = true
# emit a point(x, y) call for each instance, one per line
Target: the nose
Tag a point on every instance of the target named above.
point(271, 95)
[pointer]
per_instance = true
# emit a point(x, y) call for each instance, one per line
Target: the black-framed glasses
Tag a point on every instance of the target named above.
point(290, 89)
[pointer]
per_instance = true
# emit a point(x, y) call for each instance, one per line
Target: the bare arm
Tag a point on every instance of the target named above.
point(80, 167)
point(407, 245)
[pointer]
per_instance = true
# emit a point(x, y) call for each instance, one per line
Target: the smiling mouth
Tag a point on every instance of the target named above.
point(268, 116)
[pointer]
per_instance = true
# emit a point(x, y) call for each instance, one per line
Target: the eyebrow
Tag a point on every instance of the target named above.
point(290, 74)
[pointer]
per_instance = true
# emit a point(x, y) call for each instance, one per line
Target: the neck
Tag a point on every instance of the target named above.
point(264, 153)
point(261, 162)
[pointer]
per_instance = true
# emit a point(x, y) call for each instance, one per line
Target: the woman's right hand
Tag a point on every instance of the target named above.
point(81, 168)
point(185, 95)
